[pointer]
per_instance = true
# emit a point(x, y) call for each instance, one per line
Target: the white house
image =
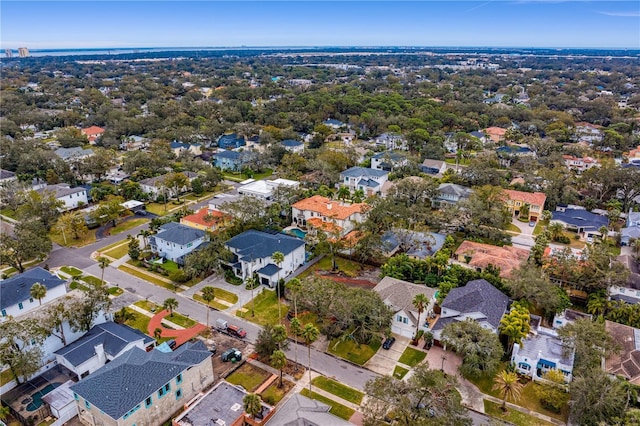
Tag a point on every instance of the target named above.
point(399, 295)
point(264, 188)
point(253, 250)
point(329, 215)
point(100, 345)
point(7, 176)
point(293, 146)
point(451, 193)
point(388, 160)
point(391, 141)
point(71, 197)
point(175, 241)
point(368, 180)
point(155, 185)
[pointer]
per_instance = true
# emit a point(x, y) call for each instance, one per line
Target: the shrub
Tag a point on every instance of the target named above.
point(231, 278)
point(179, 276)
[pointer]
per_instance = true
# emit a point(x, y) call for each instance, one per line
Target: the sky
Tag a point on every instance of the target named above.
point(487, 23)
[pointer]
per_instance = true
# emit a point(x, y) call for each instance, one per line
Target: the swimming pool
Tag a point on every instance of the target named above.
point(36, 398)
point(296, 232)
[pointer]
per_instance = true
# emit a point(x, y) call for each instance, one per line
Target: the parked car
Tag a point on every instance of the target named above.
point(233, 355)
point(388, 342)
point(532, 224)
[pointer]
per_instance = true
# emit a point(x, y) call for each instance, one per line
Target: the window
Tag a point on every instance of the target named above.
point(167, 387)
point(31, 300)
point(160, 393)
point(148, 402)
point(86, 404)
point(179, 394)
point(76, 397)
point(4, 312)
point(405, 320)
point(179, 379)
point(20, 306)
point(399, 318)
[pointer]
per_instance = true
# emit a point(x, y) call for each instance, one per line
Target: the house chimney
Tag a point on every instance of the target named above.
point(328, 206)
point(99, 348)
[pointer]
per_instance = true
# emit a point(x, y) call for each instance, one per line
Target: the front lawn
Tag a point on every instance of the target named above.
point(76, 285)
point(512, 416)
point(273, 394)
point(266, 308)
point(117, 252)
point(147, 306)
point(181, 320)
point(513, 228)
point(352, 351)
point(70, 270)
point(169, 266)
point(399, 372)
point(336, 388)
point(239, 177)
point(126, 225)
point(337, 409)
point(88, 238)
point(248, 376)
point(115, 291)
point(213, 304)
point(412, 357)
point(148, 277)
point(6, 376)
point(225, 295)
point(138, 321)
point(348, 267)
point(114, 245)
point(90, 279)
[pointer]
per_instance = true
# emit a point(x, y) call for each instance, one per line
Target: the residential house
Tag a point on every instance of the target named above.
point(265, 188)
point(478, 135)
point(434, 168)
point(100, 345)
point(587, 132)
point(61, 403)
point(495, 134)
point(92, 133)
point(155, 186)
point(72, 154)
point(632, 229)
point(388, 160)
point(206, 219)
point(541, 351)
point(516, 200)
point(229, 160)
point(478, 300)
point(391, 141)
point(222, 405)
point(180, 147)
point(231, 141)
point(253, 253)
point(584, 223)
point(361, 178)
point(143, 388)
point(451, 193)
point(319, 212)
point(293, 146)
point(333, 123)
point(116, 177)
point(71, 197)
point(175, 241)
point(7, 176)
point(417, 245)
point(134, 143)
point(398, 295)
point(479, 256)
point(629, 292)
point(626, 361)
point(579, 164)
point(300, 410)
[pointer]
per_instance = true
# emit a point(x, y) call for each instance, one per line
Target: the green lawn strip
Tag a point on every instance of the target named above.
point(352, 351)
point(512, 416)
point(88, 238)
point(138, 321)
point(273, 394)
point(399, 372)
point(266, 309)
point(76, 285)
point(412, 357)
point(213, 304)
point(337, 409)
point(90, 279)
point(70, 270)
point(114, 245)
point(157, 209)
point(338, 389)
point(169, 266)
point(348, 267)
point(225, 295)
point(117, 252)
point(248, 376)
point(125, 226)
point(181, 320)
point(9, 213)
point(147, 277)
point(147, 306)
point(513, 228)
point(6, 376)
point(115, 291)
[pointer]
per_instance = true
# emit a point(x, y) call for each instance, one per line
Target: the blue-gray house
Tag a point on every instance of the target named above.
point(582, 222)
point(175, 241)
point(228, 160)
point(231, 141)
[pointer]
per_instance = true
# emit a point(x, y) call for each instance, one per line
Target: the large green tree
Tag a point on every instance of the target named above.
point(21, 346)
point(29, 241)
point(480, 348)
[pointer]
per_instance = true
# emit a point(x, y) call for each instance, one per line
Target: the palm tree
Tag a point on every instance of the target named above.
point(4, 412)
point(170, 304)
point(555, 230)
point(508, 385)
point(278, 258)
point(296, 329)
point(358, 196)
point(208, 294)
point(103, 262)
point(279, 361)
point(420, 302)
point(310, 334)
point(295, 287)
point(38, 291)
point(157, 333)
point(145, 233)
point(605, 232)
point(252, 404)
point(597, 304)
point(343, 193)
point(251, 282)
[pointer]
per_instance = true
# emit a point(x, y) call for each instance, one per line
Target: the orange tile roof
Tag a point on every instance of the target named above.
point(330, 208)
point(200, 217)
point(93, 130)
point(533, 198)
point(318, 223)
point(498, 131)
point(506, 258)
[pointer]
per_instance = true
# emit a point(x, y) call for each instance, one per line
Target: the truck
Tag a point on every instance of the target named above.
point(233, 355)
point(232, 330)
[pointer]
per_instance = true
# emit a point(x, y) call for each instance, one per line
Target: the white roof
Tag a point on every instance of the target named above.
point(131, 204)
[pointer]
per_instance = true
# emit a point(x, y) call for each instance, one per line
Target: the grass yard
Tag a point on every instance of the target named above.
point(11, 214)
point(115, 291)
point(158, 208)
point(147, 277)
point(239, 177)
point(513, 228)
point(114, 245)
point(348, 267)
point(138, 321)
point(338, 389)
point(337, 409)
point(169, 266)
point(90, 279)
point(412, 357)
point(70, 270)
point(266, 308)
point(76, 284)
point(273, 394)
point(117, 252)
point(6, 376)
point(125, 226)
point(350, 350)
point(248, 376)
point(225, 295)
point(148, 306)
point(181, 320)
point(512, 416)
point(399, 372)
point(88, 238)
point(213, 304)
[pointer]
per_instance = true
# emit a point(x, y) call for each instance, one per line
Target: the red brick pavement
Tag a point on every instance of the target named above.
point(180, 336)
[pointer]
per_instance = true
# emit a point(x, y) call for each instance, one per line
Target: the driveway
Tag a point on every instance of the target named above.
point(384, 361)
point(524, 227)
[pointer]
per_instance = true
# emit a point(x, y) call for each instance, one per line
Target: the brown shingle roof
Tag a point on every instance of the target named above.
point(626, 361)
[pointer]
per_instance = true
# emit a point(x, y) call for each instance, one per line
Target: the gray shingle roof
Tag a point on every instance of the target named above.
point(17, 288)
point(76, 151)
point(257, 245)
point(61, 190)
point(269, 270)
point(178, 234)
point(6, 174)
point(302, 411)
point(128, 380)
point(363, 172)
point(453, 189)
point(114, 337)
point(581, 219)
point(478, 296)
point(399, 294)
point(291, 143)
point(232, 155)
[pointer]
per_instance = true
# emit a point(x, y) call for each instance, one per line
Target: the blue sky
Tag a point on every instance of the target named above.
point(516, 23)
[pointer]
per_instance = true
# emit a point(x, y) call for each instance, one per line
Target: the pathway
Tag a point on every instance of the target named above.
point(180, 336)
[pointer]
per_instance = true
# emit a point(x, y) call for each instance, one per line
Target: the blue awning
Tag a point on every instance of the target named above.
point(543, 363)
